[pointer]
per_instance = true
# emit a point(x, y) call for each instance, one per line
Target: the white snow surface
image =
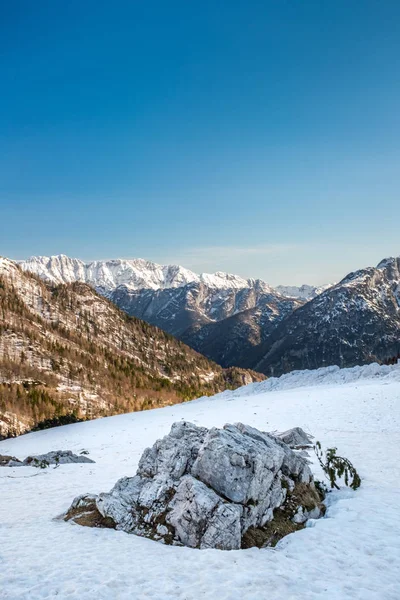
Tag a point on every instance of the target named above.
point(352, 553)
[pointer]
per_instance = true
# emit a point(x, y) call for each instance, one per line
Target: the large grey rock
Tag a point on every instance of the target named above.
point(206, 488)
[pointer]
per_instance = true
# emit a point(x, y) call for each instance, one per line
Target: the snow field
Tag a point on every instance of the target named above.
point(352, 553)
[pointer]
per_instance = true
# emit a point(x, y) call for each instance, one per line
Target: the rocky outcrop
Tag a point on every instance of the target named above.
point(217, 488)
point(55, 457)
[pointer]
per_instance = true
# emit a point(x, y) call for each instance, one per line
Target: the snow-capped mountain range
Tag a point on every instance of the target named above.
point(246, 322)
point(138, 274)
point(182, 302)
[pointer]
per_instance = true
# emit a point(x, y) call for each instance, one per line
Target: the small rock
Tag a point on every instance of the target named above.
point(315, 513)
point(300, 516)
point(9, 461)
point(162, 530)
point(296, 438)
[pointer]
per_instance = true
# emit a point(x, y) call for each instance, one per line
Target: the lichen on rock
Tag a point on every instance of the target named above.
point(220, 488)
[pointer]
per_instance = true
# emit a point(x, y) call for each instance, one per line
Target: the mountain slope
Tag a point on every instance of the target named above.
point(185, 309)
point(233, 340)
point(66, 349)
point(356, 321)
point(173, 309)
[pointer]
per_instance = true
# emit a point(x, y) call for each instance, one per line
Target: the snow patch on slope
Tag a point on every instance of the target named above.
point(332, 375)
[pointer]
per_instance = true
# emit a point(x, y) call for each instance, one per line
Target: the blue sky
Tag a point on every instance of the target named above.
point(260, 138)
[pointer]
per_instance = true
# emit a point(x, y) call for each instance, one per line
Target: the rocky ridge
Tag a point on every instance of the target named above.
point(135, 274)
point(55, 457)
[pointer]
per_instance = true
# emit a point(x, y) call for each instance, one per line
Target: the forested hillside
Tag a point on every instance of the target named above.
point(65, 350)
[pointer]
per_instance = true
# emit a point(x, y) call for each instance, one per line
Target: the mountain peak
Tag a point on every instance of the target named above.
point(387, 262)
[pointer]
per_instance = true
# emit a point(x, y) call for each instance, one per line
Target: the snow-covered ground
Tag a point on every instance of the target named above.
point(353, 553)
